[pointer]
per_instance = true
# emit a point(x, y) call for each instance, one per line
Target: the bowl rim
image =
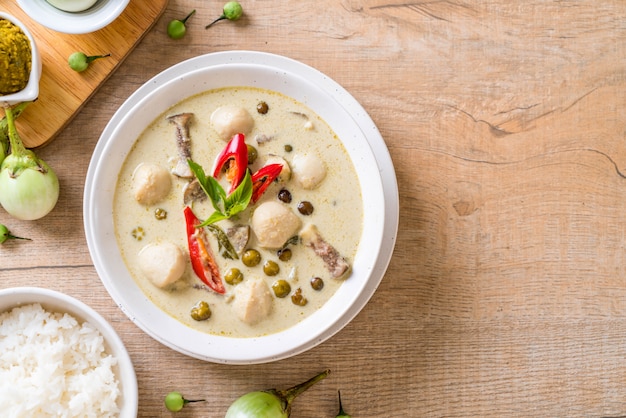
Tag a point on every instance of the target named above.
point(189, 68)
point(57, 301)
point(31, 91)
point(101, 14)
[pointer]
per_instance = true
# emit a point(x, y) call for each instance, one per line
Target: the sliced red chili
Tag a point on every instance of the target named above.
point(202, 258)
point(233, 158)
point(263, 178)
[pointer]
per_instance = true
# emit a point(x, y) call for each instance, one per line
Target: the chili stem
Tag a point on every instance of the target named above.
point(188, 16)
point(95, 57)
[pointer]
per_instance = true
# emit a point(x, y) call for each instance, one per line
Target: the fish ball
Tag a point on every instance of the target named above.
point(274, 223)
point(162, 263)
point(230, 120)
point(151, 183)
point(308, 170)
point(253, 301)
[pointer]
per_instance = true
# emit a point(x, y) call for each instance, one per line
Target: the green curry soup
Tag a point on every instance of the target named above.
point(15, 58)
point(279, 127)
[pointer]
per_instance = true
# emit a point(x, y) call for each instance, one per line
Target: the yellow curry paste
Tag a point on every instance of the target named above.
point(15, 58)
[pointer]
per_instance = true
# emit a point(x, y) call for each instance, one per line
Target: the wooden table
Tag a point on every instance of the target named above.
point(506, 122)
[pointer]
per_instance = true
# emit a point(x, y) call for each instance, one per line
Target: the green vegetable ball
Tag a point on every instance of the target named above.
point(233, 276)
point(5, 234)
point(281, 288)
point(79, 61)
point(174, 401)
point(177, 28)
point(271, 268)
point(251, 258)
point(231, 11)
point(201, 311)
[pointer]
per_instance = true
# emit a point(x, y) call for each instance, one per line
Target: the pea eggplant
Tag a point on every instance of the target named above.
point(79, 61)
point(29, 188)
point(231, 11)
point(270, 403)
point(174, 401)
point(177, 28)
point(6, 235)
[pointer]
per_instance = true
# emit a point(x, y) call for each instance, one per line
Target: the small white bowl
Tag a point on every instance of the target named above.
point(54, 301)
point(96, 17)
point(31, 91)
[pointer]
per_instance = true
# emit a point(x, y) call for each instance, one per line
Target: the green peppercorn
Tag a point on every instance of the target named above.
point(262, 108)
point(281, 288)
point(288, 148)
point(284, 196)
point(317, 283)
point(252, 154)
point(233, 276)
point(305, 207)
point(160, 214)
point(298, 299)
point(284, 254)
point(271, 268)
point(201, 311)
point(251, 258)
point(138, 233)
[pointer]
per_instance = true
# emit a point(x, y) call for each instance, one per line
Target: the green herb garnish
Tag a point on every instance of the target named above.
point(225, 206)
point(224, 245)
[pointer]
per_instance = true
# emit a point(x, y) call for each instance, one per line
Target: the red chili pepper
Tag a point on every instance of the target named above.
point(263, 178)
point(202, 259)
point(235, 157)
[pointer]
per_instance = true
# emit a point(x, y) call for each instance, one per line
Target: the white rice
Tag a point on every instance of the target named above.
point(52, 366)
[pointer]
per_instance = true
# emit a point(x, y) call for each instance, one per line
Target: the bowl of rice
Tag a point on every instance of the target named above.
point(59, 357)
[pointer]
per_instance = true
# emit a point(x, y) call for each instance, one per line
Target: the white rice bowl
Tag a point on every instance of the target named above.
point(60, 362)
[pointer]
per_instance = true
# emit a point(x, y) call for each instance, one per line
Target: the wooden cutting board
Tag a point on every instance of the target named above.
point(63, 92)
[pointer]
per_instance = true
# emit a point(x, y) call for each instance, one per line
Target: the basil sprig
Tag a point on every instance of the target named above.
point(225, 205)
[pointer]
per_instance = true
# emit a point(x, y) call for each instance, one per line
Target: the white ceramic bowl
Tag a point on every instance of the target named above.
point(96, 17)
point(32, 88)
point(54, 301)
point(325, 97)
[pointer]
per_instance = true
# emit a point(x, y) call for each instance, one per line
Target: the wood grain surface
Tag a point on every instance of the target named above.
point(506, 122)
point(63, 92)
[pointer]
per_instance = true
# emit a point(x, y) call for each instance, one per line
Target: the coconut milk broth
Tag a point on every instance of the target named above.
point(338, 210)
